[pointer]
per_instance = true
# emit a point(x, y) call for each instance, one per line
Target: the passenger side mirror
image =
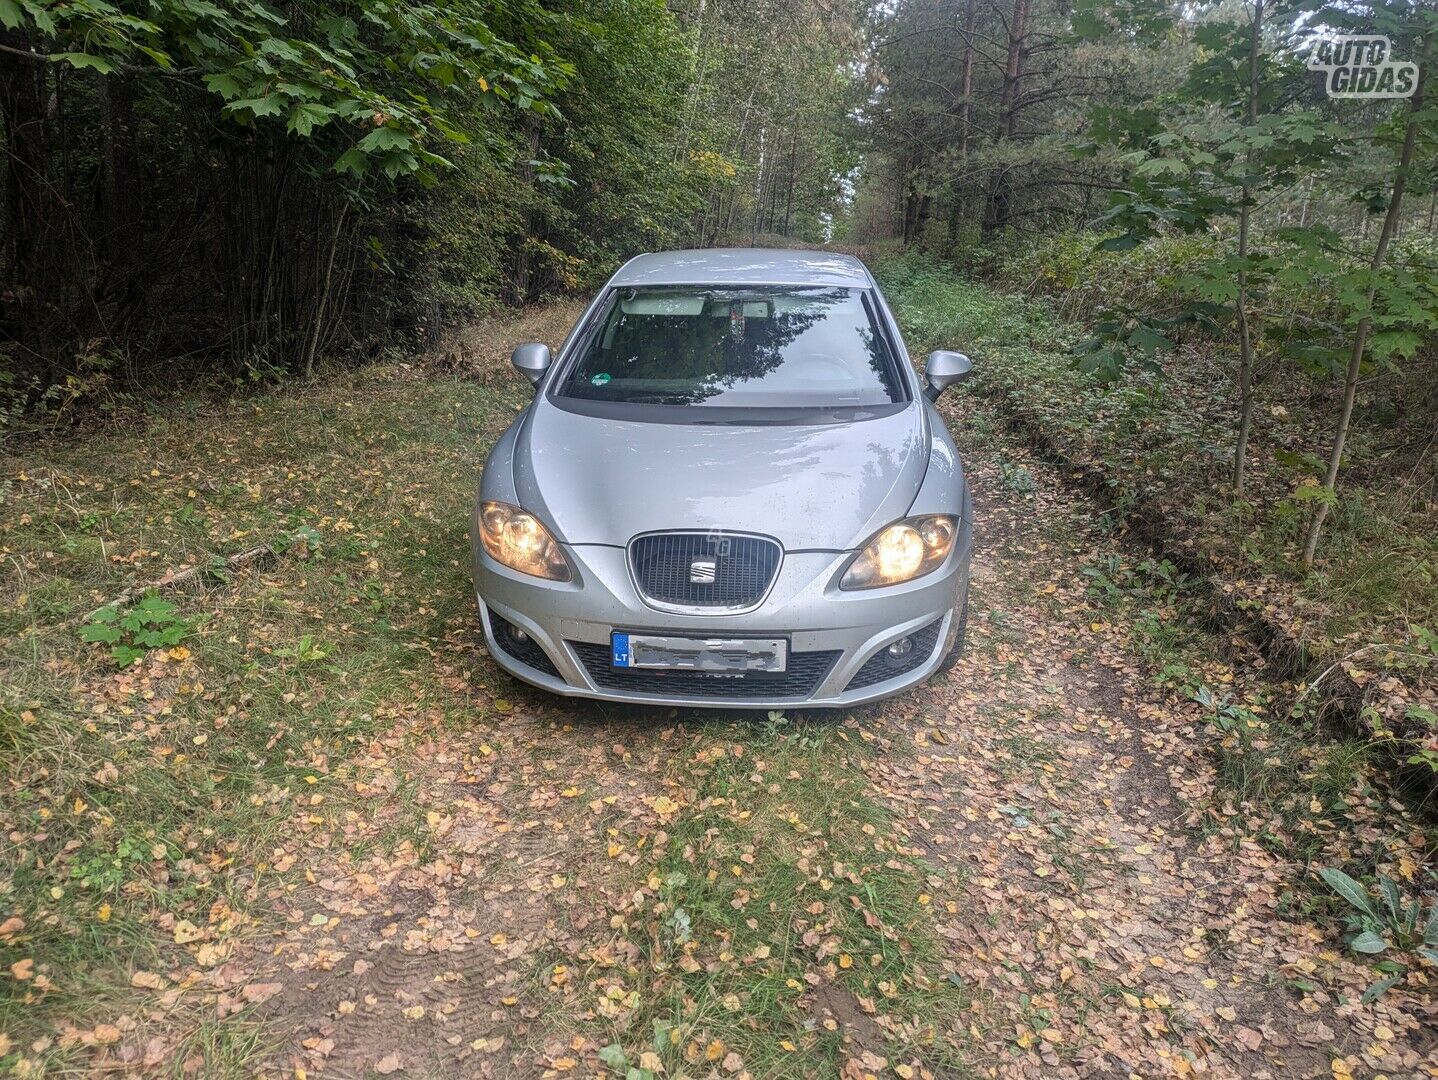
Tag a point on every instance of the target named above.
point(532, 360)
point(943, 369)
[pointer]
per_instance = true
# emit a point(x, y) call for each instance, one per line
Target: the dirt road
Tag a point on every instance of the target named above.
point(1077, 906)
point(324, 835)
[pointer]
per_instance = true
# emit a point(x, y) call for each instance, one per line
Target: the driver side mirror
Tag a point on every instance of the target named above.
point(943, 369)
point(532, 360)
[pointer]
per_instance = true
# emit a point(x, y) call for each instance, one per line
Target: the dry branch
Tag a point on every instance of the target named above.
point(189, 573)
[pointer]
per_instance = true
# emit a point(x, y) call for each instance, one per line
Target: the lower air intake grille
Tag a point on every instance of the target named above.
point(524, 649)
point(880, 667)
point(806, 670)
point(704, 569)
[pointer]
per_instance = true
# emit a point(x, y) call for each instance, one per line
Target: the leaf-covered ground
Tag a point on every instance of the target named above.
point(324, 835)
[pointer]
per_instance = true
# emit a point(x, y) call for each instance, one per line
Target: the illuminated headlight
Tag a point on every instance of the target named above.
point(517, 539)
point(902, 552)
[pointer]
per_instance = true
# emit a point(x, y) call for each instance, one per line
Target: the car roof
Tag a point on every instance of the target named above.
point(744, 266)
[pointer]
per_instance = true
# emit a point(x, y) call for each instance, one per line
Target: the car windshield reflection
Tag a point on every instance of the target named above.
point(767, 347)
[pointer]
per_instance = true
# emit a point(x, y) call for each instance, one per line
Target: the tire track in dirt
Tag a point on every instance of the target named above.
point(447, 953)
point(1057, 794)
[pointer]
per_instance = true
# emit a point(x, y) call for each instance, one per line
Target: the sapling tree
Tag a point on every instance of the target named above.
point(1386, 306)
point(1230, 135)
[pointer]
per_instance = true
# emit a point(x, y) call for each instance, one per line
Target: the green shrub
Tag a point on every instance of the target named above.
point(153, 623)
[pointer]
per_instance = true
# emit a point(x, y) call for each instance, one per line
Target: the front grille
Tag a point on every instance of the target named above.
point(879, 667)
point(526, 650)
point(743, 568)
point(806, 670)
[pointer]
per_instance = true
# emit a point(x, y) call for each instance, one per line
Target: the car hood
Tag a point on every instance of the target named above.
point(811, 486)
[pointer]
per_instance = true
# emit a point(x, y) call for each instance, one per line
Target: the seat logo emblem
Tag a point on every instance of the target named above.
point(702, 571)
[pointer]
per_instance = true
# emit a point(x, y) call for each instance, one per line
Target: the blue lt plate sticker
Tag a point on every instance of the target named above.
point(619, 649)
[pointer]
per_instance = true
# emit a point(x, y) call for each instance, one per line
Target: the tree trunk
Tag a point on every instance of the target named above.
point(759, 181)
point(1365, 324)
point(1245, 332)
point(324, 298)
point(117, 101)
point(789, 197)
point(911, 212)
point(519, 279)
point(696, 83)
point(742, 142)
point(921, 218)
point(966, 113)
point(998, 210)
point(34, 292)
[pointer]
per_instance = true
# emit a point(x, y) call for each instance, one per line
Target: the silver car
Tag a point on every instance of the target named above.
point(732, 489)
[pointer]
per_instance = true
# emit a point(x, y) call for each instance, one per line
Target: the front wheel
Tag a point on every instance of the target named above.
point(961, 627)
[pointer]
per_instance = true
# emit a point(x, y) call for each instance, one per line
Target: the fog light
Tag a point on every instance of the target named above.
point(519, 635)
point(900, 649)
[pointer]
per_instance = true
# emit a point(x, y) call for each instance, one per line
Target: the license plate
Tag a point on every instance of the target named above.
point(754, 655)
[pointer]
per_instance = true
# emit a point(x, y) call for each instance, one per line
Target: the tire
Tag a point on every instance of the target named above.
point(961, 628)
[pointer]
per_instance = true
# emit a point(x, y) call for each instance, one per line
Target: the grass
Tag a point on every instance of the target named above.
point(219, 1048)
point(169, 794)
point(780, 887)
point(131, 793)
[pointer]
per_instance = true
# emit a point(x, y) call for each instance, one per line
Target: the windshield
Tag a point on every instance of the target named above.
point(749, 347)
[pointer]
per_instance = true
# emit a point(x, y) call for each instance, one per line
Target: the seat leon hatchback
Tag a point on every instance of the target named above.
point(731, 489)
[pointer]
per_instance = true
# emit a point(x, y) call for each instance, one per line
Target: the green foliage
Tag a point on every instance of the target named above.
point(1185, 168)
point(939, 309)
point(1120, 340)
point(1236, 133)
point(153, 623)
point(1225, 714)
point(1017, 479)
point(615, 132)
point(614, 1058)
point(388, 78)
point(260, 188)
point(1149, 21)
point(1403, 308)
point(1393, 924)
point(305, 541)
point(1189, 170)
point(107, 869)
point(1425, 722)
point(307, 651)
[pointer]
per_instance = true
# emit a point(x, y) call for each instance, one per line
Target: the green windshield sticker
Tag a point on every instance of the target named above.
point(600, 379)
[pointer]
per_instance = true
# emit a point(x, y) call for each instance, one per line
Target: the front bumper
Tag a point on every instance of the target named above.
point(832, 634)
